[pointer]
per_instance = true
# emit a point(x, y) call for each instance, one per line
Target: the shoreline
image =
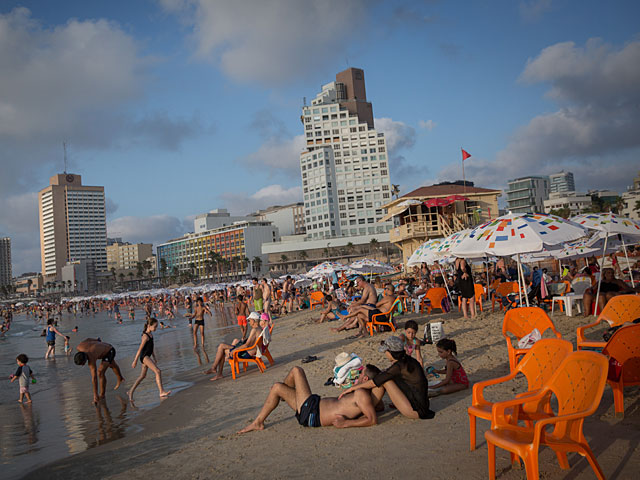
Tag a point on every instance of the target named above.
point(192, 434)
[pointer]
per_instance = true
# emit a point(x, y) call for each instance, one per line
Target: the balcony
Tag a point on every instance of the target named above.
point(427, 226)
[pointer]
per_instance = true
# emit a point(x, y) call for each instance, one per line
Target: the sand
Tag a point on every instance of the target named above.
point(192, 434)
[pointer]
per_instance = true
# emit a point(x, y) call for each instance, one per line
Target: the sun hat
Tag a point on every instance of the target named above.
point(392, 344)
point(254, 316)
point(264, 316)
point(342, 359)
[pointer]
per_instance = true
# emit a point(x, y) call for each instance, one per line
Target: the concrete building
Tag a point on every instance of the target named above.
point(561, 182)
point(288, 218)
point(28, 284)
point(79, 276)
point(631, 198)
point(607, 196)
point(527, 194)
point(344, 168)
point(576, 202)
point(125, 256)
point(215, 218)
point(5, 261)
point(238, 244)
point(72, 224)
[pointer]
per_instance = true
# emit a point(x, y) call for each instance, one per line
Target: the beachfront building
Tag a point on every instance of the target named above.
point(631, 200)
point(238, 247)
point(561, 182)
point(79, 276)
point(575, 202)
point(527, 194)
point(28, 284)
point(216, 218)
point(72, 224)
point(344, 167)
point(5, 261)
point(126, 256)
point(288, 218)
point(437, 211)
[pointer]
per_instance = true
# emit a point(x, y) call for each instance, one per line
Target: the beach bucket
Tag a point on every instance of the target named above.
point(433, 332)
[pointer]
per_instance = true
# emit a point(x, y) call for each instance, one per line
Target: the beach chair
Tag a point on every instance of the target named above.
point(623, 350)
point(557, 290)
point(537, 366)
point(236, 359)
point(377, 321)
point(502, 290)
point(618, 311)
point(315, 299)
point(577, 384)
point(520, 322)
point(433, 299)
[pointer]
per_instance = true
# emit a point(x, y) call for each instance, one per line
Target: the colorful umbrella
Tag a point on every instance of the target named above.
point(425, 253)
point(368, 265)
point(326, 268)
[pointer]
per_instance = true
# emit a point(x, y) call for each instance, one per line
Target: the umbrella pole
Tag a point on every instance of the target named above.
point(524, 285)
point(519, 284)
point(487, 263)
point(604, 249)
point(446, 284)
point(624, 247)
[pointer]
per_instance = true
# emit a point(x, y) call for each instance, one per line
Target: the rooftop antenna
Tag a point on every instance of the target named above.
point(304, 101)
point(64, 146)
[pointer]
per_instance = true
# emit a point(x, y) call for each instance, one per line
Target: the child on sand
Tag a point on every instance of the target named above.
point(411, 343)
point(242, 312)
point(148, 359)
point(456, 378)
point(24, 375)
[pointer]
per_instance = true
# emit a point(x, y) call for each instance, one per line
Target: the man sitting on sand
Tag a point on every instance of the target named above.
point(353, 410)
point(93, 349)
point(363, 314)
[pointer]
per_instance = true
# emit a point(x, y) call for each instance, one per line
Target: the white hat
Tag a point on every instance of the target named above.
point(254, 316)
point(342, 359)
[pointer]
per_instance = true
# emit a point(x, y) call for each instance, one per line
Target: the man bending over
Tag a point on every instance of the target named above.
point(353, 410)
point(92, 350)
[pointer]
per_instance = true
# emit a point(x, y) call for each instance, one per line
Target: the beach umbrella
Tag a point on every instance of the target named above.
point(326, 268)
point(518, 233)
point(437, 202)
point(369, 265)
point(609, 224)
point(425, 253)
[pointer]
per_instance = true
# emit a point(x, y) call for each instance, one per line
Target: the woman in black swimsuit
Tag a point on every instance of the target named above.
point(464, 282)
point(148, 359)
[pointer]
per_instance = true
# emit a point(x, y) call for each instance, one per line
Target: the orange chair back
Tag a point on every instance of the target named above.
point(621, 309)
point(542, 361)
point(479, 291)
point(624, 346)
point(521, 321)
point(495, 284)
point(506, 288)
point(435, 296)
point(317, 296)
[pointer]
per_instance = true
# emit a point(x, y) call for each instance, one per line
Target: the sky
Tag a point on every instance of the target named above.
point(178, 107)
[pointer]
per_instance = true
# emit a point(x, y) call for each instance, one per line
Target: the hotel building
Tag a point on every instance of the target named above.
point(5, 261)
point(344, 168)
point(126, 256)
point(561, 182)
point(527, 194)
point(72, 224)
point(288, 218)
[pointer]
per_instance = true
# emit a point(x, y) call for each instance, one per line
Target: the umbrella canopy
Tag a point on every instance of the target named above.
point(608, 222)
point(369, 265)
point(545, 254)
point(425, 253)
point(437, 202)
point(443, 249)
point(326, 268)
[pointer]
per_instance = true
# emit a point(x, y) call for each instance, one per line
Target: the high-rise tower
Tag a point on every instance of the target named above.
point(72, 224)
point(5, 261)
point(345, 168)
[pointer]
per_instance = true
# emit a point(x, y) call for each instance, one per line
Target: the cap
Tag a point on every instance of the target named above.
point(392, 344)
point(342, 359)
point(264, 316)
point(254, 316)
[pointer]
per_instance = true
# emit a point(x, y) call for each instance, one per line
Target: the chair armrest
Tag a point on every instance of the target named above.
point(540, 424)
point(235, 353)
point(580, 330)
point(498, 409)
point(478, 388)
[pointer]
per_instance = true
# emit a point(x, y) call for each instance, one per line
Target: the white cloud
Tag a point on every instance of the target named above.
point(532, 10)
point(153, 229)
point(19, 221)
point(594, 133)
point(427, 125)
point(243, 203)
point(271, 41)
point(278, 154)
point(399, 136)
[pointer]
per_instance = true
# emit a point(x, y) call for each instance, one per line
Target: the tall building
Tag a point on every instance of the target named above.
point(288, 218)
point(72, 224)
point(527, 194)
point(126, 256)
point(344, 168)
point(575, 202)
point(561, 182)
point(5, 261)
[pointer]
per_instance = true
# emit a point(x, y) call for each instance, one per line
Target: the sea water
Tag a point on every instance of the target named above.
point(62, 419)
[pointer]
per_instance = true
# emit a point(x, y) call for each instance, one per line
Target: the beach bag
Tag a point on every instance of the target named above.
point(615, 370)
point(433, 332)
point(528, 340)
point(446, 305)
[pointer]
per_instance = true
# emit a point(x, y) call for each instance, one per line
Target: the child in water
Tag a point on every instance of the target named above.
point(456, 378)
point(24, 375)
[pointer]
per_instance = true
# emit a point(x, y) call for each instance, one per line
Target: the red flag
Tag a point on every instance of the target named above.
point(465, 154)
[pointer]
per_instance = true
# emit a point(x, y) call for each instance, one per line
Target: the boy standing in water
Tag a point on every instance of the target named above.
point(23, 374)
point(242, 312)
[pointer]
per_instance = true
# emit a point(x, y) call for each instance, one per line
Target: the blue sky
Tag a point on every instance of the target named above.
point(181, 106)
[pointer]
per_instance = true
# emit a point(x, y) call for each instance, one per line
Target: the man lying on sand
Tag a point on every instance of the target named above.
point(92, 350)
point(352, 410)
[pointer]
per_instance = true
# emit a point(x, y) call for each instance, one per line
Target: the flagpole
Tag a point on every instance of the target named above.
point(464, 180)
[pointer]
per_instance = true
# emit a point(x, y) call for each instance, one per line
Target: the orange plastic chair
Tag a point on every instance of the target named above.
point(236, 360)
point(316, 298)
point(374, 323)
point(617, 311)
point(435, 296)
point(578, 384)
point(520, 322)
point(538, 365)
point(624, 347)
point(502, 290)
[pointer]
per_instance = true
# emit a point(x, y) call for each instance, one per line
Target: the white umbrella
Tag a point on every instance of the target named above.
point(515, 234)
point(425, 253)
point(326, 268)
point(369, 265)
point(609, 224)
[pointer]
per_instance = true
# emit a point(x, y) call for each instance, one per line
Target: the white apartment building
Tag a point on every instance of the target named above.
point(5, 261)
point(576, 202)
point(72, 224)
point(288, 218)
point(344, 169)
point(527, 194)
point(561, 182)
point(630, 198)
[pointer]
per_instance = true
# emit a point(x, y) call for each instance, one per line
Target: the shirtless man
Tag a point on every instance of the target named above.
point(287, 295)
point(266, 297)
point(360, 315)
point(92, 350)
point(354, 410)
point(198, 324)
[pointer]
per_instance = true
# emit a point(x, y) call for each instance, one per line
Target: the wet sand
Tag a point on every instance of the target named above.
point(192, 434)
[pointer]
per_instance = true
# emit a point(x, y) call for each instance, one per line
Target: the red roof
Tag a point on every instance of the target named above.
point(445, 190)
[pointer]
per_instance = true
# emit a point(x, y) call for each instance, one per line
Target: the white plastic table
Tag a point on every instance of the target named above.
point(568, 303)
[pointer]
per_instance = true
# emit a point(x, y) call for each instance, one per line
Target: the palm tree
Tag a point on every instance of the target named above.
point(284, 260)
point(113, 274)
point(139, 269)
point(192, 270)
point(395, 190)
point(257, 264)
point(244, 261)
point(326, 252)
point(373, 244)
point(174, 274)
point(121, 276)
point(130, 275)
point(163, 267)
point(349, 247)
